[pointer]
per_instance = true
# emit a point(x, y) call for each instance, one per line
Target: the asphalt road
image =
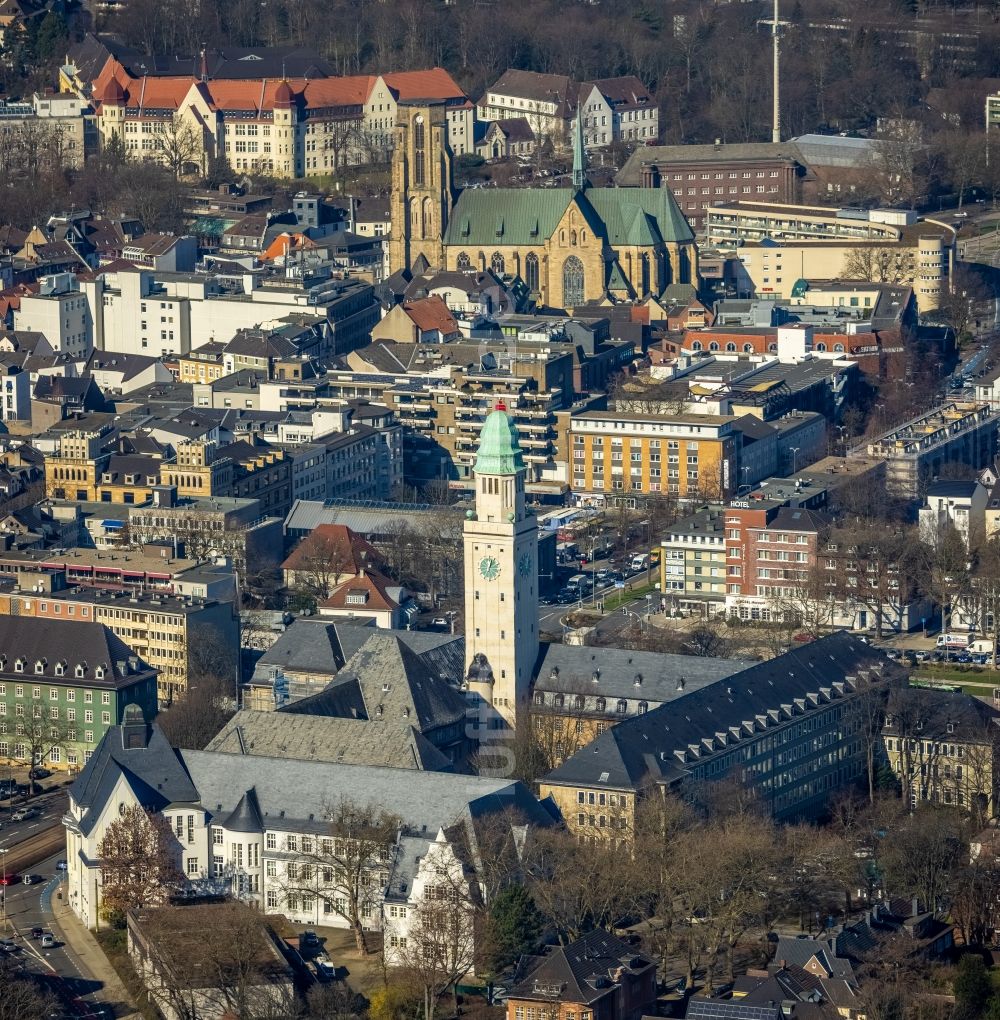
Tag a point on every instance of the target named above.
point(48, 809)
point(28, 906)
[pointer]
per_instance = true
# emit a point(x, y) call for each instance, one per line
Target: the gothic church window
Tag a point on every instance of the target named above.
point(531, 271)
point(463, 262)
point(497, 263)
point(572, 282)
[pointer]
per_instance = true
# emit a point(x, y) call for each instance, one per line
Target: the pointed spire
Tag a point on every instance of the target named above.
point(579, 152)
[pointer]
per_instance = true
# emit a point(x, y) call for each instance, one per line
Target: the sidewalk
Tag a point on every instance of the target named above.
point(90, 957)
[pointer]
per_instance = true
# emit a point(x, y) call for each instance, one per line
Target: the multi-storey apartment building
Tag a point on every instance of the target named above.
point(618, 453)
point(702, 176)
point(942, 747)
point(62, 687)
point(163, 629)
point(957, 432)
point(693, 564)
point(54, 130)
point(789, 727)
point(819, 243)
point(263, 829)
point(59, 311)
point(287, 127)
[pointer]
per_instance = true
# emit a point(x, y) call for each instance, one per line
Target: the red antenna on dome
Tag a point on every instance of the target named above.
point(500, 406)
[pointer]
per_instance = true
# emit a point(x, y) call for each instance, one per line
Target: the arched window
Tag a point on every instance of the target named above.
point(579, 702)
point(838, 348)
point(772, 348)
point(622, 706)
point(481, 258)
point(497, 263)
point(558, 701)
point(713, 346)
point(572, 282)
point(539, 699)
point(731, 348)
point(418, 151)
point(696, 346)
point(602, 704)
point(572, 238)
point(644, 275)
point(643, 707)
point(414, 214)
point(821, 347)
point(426, 230)
point(531, 271)
point(748, 348)
point(583, 237)
point(463, 261)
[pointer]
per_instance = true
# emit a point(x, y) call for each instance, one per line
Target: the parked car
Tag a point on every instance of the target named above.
point(39, 772)
point(921, 655)
point(11, 878)
point(31, 879)
point(309, 938)
point(22, 814)
point(7, 946)
point(48, 940)
point(37, 933)
point(440, 623)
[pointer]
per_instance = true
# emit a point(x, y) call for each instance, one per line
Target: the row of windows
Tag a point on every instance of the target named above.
point(36, 693)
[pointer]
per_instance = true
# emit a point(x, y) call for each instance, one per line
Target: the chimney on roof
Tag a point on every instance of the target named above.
point(204, 65)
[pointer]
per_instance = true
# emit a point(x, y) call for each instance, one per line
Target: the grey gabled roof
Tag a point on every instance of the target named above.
point(651, 676)
point(294, 794)
point(311, 737)
point(584, 971)
point(154, 772)
point(653, 747)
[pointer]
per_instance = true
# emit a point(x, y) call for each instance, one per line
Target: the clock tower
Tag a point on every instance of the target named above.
point(501, 573)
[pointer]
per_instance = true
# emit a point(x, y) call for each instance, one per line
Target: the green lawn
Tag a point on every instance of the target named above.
point(623, 598)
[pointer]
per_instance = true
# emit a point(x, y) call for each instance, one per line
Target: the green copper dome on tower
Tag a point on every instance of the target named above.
point(499, 451)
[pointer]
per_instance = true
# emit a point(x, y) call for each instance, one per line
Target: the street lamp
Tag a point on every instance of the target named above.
point(842, 429)
point(795, 450)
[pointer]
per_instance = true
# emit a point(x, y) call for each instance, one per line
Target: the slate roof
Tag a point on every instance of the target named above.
point(581, 972)
point(545, 88)
point(70, 642)
point(348, 741)
point(954, 715)
point(654, 747)
point(661, 674)
point(953, 489)
point(394, 682)
point(297, 795)
point(155, 773)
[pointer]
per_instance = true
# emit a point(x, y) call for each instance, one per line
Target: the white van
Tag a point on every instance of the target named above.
point(953, 641)
point(640, 561)
point(981, 647)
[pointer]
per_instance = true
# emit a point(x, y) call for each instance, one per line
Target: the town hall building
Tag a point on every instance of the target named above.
point(571, 246)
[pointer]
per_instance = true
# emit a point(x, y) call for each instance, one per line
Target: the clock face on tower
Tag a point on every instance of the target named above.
point(489, 567)
point(524, 564)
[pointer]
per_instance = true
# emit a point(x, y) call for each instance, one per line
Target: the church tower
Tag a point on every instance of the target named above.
point(501, 573)
point(422, 191)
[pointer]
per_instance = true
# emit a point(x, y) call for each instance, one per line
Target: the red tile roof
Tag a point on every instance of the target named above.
point(431, 313)
point(336, 544)
point(436, 83)
point(372, 584)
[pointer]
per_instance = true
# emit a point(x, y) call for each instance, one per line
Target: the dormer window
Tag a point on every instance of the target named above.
point(99, 673)
point(80, 672)
point(356, 597)
point(60, 669)
point(951, 727)
point(19, 665)
point(40, 666)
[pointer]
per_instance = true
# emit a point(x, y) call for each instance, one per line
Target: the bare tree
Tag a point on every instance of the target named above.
point(38, 736)
point(21, 997)
point(879, 264)
point(440, 944)
point(347, 870)
point(138, 862)
point(177, 146)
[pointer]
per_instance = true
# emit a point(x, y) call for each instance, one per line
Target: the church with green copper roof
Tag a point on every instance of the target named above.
point(571, 246)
